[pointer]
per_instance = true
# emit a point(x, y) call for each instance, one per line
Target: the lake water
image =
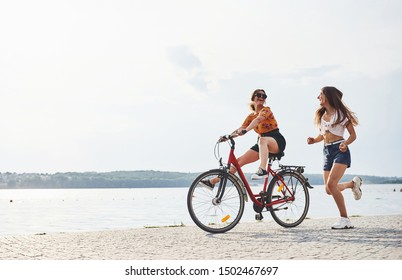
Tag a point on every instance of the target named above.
point(34, 211)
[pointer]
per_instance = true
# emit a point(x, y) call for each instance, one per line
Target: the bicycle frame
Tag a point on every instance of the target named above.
point(254, 197)
point(218, 207)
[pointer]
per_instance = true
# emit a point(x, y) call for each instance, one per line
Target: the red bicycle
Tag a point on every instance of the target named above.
point(219, 209)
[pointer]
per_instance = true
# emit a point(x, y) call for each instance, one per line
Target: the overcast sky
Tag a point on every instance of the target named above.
point(137, 85)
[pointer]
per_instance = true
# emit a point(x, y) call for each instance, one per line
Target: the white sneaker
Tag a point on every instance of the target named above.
point(260, 174)
point(343, 223)
point(357, 192)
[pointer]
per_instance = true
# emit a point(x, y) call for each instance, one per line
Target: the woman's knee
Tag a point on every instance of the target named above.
point(331, 186)
point(327, 190)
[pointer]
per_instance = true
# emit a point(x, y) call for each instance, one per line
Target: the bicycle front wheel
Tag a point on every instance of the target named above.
point(289, 197)
point(210, 213)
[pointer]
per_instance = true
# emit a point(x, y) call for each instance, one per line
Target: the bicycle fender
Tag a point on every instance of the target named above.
point(243, 188)
point(298, 174)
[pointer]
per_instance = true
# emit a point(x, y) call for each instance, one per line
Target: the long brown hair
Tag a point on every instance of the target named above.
point(334, 97)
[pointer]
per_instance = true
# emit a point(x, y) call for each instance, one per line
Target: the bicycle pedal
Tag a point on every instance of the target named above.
point(259, 216)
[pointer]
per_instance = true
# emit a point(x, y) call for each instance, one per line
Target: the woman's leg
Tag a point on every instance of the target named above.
point(248, 157)
point(331, 180)
point(267, 145)
point(341, 186)
point(264, 151)
point(346, 185)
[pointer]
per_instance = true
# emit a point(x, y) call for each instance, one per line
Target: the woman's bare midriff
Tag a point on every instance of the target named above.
point(329, 137)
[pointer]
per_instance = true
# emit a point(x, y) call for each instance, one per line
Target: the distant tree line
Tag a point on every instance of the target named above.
point(115, 179)
point(134, 179)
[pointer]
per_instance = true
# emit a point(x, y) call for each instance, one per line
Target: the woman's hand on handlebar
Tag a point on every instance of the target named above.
point(223, 138)
point(234, 134)
point(239, 132)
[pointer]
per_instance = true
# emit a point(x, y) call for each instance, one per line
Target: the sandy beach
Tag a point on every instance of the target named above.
point(373, 238)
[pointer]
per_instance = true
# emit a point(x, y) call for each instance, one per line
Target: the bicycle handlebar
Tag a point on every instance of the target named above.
point(234, 134)
point(227, 137)
point(223, 138)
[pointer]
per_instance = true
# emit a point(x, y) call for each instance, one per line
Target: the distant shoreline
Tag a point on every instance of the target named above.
point(140, 187)
point(134, 179)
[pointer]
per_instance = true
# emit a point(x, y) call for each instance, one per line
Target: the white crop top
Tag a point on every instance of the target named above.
point(338, 129)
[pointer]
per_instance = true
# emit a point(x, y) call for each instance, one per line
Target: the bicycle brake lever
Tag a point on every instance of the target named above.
point(222, 139)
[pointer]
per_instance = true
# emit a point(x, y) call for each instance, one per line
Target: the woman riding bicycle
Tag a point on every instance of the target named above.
point(270, 140)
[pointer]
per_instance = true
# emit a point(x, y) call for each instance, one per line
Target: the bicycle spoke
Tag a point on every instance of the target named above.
point(210, 213)
point(291, 212)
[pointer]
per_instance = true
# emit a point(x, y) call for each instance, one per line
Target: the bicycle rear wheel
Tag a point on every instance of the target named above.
point(288, 210)
point(207, 211)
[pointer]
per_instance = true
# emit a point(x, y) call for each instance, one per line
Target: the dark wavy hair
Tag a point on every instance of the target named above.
point(334, 97)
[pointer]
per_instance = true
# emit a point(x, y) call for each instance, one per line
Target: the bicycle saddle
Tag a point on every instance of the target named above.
point(277, 156)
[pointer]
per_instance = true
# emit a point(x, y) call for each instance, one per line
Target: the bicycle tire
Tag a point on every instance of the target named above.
point(206, 212)
point(290, 213)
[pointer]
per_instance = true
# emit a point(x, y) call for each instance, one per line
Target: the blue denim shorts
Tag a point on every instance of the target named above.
point(332, 155)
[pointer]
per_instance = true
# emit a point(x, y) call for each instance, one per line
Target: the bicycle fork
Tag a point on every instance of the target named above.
point(221, 189)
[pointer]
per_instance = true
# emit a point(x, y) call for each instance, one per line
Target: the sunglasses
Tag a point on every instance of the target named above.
point(261, 95)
